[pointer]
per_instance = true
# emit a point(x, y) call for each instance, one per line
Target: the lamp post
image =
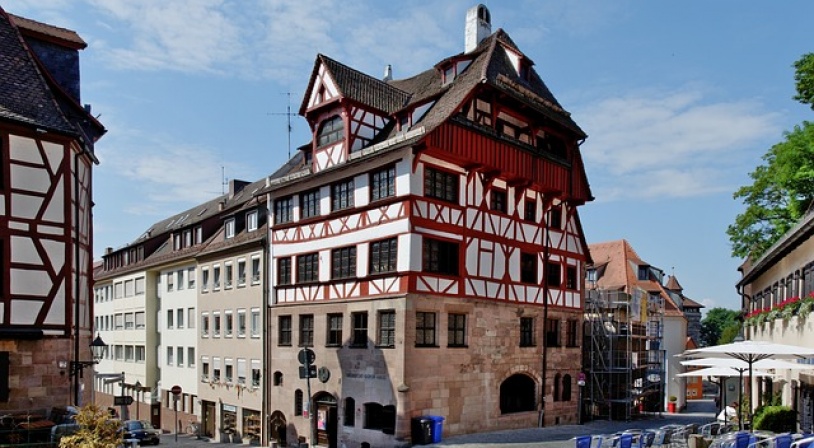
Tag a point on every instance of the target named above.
point(97, 348)
point(137, 386)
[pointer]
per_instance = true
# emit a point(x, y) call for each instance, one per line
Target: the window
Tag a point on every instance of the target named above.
point(298, 402)
point(424, 329)
point(179, 356)
point(566, 387)
point(284, 331)
point(129, 321)
point(342, 195)
point(251, 221)
point(553, 274)
point(590, 275)
point(530, 210)
point(170, 354)
point(456, 330)
point(170, 282)
point(644, 272)
point(498, 201)
point(180, 276)
point(284, 271)
point(330, 131)
point(129, 353)
point(216, 369)
point(383, 255)
point(359, 321)
point(387, 328)
point(216, 277)
point(282, 210)
point(556, 383)
point(334, 330)
point(241, 272)
point(191, 278)
point(190, 356)
point(380, 417)
point(309, 204)
point(441, 185)
point(179, 316)
point(229, 370)
point(255, 373)
point(307, 330)
point(191, 317)
point(216, 324)
point(571, 277)
point(119, 321)
point(343, 262)
point(555, 217)
point(256, 271)
point(307, 268)
point(241, 371)
point(440, 257)
point(383, 183)
point(204, 324)
point(528, 268)
point(552, 333)
point(204, 279)
point(204, 368)
point(571, 335)
point(141, 353)
point(277, 379)
point(229, 323)
point(255, 322)
point(227, 276)
point(198, 235)
point(527, 332)
point(170, 318)
point(241, 323)
point(350, 412)
point(140, 322)
point(229, 228)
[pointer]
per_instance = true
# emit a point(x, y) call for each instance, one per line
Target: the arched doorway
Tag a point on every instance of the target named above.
point(326, 423)
point(517, 394)
point(277, 428)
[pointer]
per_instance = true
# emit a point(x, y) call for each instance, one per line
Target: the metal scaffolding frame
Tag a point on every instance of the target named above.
point(623, 354)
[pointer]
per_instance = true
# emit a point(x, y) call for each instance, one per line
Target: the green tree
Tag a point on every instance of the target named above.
point(97, 429)
point(729, 333)
point(782, 187)
point(716, 322)
point(804, 79)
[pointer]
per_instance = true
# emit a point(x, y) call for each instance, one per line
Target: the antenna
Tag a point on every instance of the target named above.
point(288, 115)
point(224, 181)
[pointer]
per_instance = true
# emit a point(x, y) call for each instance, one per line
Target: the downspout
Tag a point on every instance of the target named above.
point(546, 255)
point(76, 367)
point(266, 310)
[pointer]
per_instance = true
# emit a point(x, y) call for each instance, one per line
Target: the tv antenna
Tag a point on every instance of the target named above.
point(224, 181)
point(288, 116)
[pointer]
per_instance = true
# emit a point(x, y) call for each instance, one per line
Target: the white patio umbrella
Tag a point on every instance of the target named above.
point(751, 352)
point(722, 371)
point(763, 364)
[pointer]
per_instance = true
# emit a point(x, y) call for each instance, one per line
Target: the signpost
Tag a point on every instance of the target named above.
point(176, 394)
point(581, 384)
point(124, 400)
point(308, 370)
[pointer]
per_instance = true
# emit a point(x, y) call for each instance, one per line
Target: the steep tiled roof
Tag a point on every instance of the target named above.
point(621, 264)
point(690, 303)
point(673, 285)
point(65, 36)
point(24, 93)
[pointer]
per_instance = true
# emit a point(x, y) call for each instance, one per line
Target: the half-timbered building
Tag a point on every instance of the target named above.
point(46, 157)
point(429, 252)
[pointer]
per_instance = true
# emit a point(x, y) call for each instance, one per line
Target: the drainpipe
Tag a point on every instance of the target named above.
point(546, 244)
point(76, 274)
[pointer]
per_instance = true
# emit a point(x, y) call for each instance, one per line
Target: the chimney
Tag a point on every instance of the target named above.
point(236, 186)
point(388, 73)
point(478, 27)
point(108, 250)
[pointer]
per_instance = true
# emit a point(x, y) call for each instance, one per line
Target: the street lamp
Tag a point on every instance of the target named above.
point(97, 348)
point(138, 401)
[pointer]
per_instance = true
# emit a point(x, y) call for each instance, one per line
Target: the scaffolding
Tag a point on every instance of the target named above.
point(623, 354)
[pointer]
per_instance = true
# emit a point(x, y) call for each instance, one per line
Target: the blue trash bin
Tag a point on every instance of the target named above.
point(584, 441)
point(626, 441)
point(437, 427)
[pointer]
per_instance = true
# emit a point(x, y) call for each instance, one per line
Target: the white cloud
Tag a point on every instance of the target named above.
point(657, 144)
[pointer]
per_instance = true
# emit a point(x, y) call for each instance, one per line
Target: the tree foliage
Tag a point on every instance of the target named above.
point(804, 79)
point(717, 322)
point(97, 429)
point(782, 187)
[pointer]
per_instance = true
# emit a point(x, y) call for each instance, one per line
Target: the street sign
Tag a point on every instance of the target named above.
point(312, 369)
point(306, 356)
point(581, 379)
point(124, 400)
point(176, 390)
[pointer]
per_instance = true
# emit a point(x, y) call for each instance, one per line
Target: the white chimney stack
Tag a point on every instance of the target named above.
point(388, 73)
point(478, 27)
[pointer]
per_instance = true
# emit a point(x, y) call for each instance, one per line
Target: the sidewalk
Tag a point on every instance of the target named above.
point(697, 411)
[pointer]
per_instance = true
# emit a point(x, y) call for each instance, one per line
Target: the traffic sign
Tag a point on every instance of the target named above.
point(312, 369)
point(306, 356)
point(124, 400)
point(176, 390)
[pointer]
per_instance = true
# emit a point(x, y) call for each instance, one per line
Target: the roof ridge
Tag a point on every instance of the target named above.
point(361, 73)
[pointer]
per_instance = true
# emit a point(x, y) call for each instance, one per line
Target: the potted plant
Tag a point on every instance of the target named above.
point(671, 406)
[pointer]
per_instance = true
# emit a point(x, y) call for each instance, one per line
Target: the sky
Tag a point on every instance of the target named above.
point(679, 99)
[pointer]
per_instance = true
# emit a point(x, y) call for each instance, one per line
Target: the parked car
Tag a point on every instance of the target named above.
point(141, 430)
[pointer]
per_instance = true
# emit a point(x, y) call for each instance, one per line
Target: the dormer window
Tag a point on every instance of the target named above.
point(330, 131)
point(229, 227)
point(449, 74)
point(251, 221)
point(644, 272)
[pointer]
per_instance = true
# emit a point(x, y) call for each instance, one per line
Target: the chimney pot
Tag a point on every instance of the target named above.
point(388, 73)
point(478, 27)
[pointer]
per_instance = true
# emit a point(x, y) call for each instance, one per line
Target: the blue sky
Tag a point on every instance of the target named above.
point(679, 99)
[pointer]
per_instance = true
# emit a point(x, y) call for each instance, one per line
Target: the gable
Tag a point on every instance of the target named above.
point(323, 89)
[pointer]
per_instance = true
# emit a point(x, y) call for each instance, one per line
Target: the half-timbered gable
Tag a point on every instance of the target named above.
point(46, 147)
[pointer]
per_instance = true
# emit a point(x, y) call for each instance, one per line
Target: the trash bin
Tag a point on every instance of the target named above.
point(421, 430)
point(437, 427)
point(584, 441)
point(626, 441)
